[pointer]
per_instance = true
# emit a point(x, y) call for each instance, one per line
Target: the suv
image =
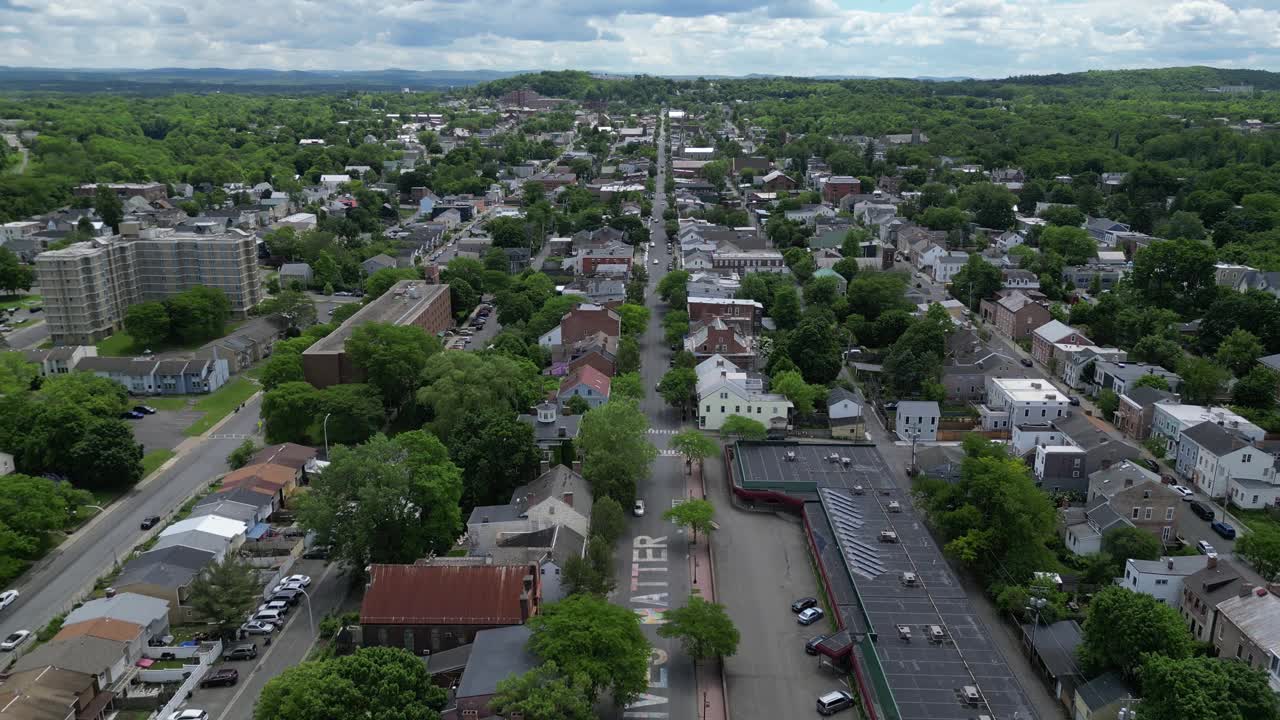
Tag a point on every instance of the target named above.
point(834, 701)
point(803, 603)
point(150, 521)
point(1224, 529)
point(247, 651)
point(1202, 511)
point(225, 676)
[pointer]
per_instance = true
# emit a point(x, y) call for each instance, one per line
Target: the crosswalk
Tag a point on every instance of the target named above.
point(662, 431)
point(669, 453)
point(230, 436)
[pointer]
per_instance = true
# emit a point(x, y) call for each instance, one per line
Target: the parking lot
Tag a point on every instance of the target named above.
point(762, 564)
point(163, 430)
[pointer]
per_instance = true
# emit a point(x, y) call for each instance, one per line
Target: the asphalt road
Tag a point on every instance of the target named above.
point(653, 571)
point(60, 579)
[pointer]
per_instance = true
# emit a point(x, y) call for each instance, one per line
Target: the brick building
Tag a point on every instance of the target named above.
point(744, 315)
point(1015, 313)
point(837, 186)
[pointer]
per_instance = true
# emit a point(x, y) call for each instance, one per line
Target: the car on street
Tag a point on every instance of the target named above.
point(803, 604)
point(280, 606)
point(144, 409)
point(7, 597)
point(1073, 400)
point(14, 640)
point(1186, 492)
point(131, 415)
point(1202, 511)
point(285, 586)
point(244, 651)
point(288, 596)
point(809, 616)
point(1026, 362)
point(189, 714)
point(149, 522)
point(655, 261)
point(834, 701)
point(303, 580)
point(319, 552)
point(225, 677)
point(254, 627)
point(811, 647)
point(1150, 464)
point(638, 508)
point(1204, 548)
point(1224, 529)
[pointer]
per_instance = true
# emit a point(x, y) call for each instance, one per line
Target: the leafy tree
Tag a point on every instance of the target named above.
point(695, 514)
point(634, 319)
point(615, 449)
point(915, 359)
point(289, 411)
point(801, 263)
point(1072, 244)
point(496, 453)
point(224, 592)
point(455, 385)
point(577, 405)
point(291, 308)
point(1204, 688)
point(377, 284)
point(693, 445)
point(354, 412)
point(1261, 547)
point(628, 358)
point(628, 385)
point(148, 323)
point(1064, 215)
point(16, 374)
point(821, 291)
point(386, 501)
point(31, 509)
point(1131, 543)
point(1175, 274)
point(607, 519)
point(679, 387)
point(815, 349)
point(992, 205)
point(786, 307)
point(591, 574)
point(198, 314)
point(543, 693)
point(109, 206)
point(673, 288)
point(384, 683)
point(14, 276)
point(1159, 349)
point(704, 629)
point(281, 368)
point(1123, 626)
point(944, 218)
point(978, 279)
point(392, 358)
point(1239, 352)
point(243, 453)
point(587, 635)
point(801, 394)
point(872, 293)
point(105, 456)
point(742, 427)
point(1183, 224)
point(1257, 389)
point(1202, 379)
point(1108, 402)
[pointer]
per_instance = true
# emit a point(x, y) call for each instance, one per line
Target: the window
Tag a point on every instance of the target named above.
point(1247, 457)
point(737, 409)
point(1135, 513)
point(1168, 513)
point(1146, 514)
point(1146, 494)
point(722, 409)
point(408, 640)
point(1162, 581)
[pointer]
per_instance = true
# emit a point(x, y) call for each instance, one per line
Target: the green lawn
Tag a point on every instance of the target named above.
point(155, 459)
point(1254, 519)
point(11, 301)
point(218, 405)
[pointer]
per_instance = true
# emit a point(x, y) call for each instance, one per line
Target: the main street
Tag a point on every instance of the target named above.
point(653, 571)
point(68, 573)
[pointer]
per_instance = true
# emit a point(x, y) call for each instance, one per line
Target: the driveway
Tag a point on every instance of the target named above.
point(762, 564)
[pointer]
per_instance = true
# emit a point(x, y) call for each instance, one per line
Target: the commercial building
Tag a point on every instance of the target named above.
point(408, 302)
point(124, 191)
point(89, 286)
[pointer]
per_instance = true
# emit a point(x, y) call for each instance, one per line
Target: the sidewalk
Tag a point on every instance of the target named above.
point(713, 703)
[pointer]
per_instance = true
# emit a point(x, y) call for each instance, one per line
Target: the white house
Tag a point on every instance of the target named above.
point(1008, 240)
point(1013, 401)
point(331, 182)
point(1161, 579)
point(724, 390)
point(1170, 420)
point(946, 265)
point(231, 532)
point(927, 257)
point(1220, 455)
point(917, 419)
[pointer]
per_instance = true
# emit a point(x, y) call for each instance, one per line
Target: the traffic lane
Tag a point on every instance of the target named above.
point(52, 586)
point(27, 337)
point(1192, 529)
point(289, 646)
point(762, 565)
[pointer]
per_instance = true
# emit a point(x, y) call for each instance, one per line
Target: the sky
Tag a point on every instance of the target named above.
point(897, 38)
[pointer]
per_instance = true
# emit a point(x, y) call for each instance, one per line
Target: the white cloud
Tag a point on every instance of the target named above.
point(984, 38)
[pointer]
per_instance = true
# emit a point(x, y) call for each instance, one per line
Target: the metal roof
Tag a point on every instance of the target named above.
point(445, 594)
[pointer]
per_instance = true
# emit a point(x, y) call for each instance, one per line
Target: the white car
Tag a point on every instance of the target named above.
point(254, 627)
point(638, 509)
point(7, 597)
point(655, 261)
point(279, 606)
point(14, 640)
point(190, 714)
point(1184, 491)
point(286, 586)
point(303, 580)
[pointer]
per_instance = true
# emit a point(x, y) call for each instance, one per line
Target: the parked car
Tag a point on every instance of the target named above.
point(268, 616)
point(1073, 400)
point(303, 580)
point(7, 597)
point(131, 415)
point(144, 409)
point(638, 508)
point(225, 677)
point(288, 596)
point(285, 586)
point(1186, 492)
point(1150, 464)
point(811, 647)
point(834, 701)
point(803, 603)
point(1204, 548)
point(319, 552)
point(189, 714)
point(1224, 529)
point(14, 640)
point(1026, 362)
point(150, 521)
point(245, 651)
point(1202, 511)
point(810, 616)
point(280, 606)
point(255, 627)
point(655, 261)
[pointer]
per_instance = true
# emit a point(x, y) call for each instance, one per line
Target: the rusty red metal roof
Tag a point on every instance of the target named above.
point(447, 595)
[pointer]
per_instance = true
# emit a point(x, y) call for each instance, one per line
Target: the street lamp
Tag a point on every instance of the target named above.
point(310, 620)
point(326, 435)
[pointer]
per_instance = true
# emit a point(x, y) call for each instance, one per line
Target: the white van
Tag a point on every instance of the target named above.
point(834, 701)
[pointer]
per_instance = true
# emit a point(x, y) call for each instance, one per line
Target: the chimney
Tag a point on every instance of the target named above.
point(1213, 562)
point(567, 498)
point(577, 466)
point(1169, 563)
point(524, 607)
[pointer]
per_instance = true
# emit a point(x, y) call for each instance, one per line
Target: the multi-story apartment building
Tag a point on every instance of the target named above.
point(89, 286)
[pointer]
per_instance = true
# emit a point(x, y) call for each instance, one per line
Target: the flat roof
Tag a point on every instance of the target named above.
point(766, 465)
point(394, 306)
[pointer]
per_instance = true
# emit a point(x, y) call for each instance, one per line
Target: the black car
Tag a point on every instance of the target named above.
point(1151, 465)
point(150, 521)
point(811, 647)
point(144, 409)
point(803, 603)
point(1026, 362)
point(319, 552)
point(290, 596)
point(131, 415)
point(225, 677)
point(1202, 511)
point(247, 651)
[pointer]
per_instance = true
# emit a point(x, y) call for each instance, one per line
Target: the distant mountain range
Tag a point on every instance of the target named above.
point(252, 80)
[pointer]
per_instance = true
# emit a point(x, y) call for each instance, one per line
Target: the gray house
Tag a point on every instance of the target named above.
point(291, 272)
point(917, 420)
point(151, 613)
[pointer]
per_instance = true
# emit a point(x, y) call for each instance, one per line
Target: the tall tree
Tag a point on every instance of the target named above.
point(696, 514)
point(704, 629)
point(198, 314)
point(1176, 274)
point(1131, 543)
point(801, 394)
point(815, 349)
point(590, 636)
point(1239, 352)
point(1261, 547)
point(607, 519)
point(744, 428)
point(14, 276)
point(109, 206)
point(1257, 389)
point(977, 280)
point(615, 449)
point(289, 412)
point(388, 500)
point(496, 453)
point(392, 358)
point(1202, 379)
point(786, 307)
point(679, 388)
point(148, 323)
point(354, 414)
point(543, 693)
point(1204, 688)
point(634, 319)
point(1123, 626)
point(16, 374)
point(225, 592)
point(693, 445)
point(456, 385)
point(384, 683)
